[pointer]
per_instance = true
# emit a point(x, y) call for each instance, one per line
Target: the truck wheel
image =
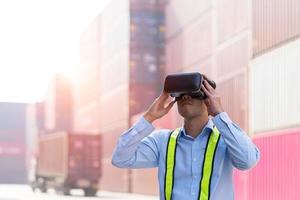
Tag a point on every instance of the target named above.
point(90, 192)
point(66, 191)
point(43, 189)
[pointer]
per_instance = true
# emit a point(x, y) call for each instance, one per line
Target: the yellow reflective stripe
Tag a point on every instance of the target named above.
point(170, 163)
point(208, 164)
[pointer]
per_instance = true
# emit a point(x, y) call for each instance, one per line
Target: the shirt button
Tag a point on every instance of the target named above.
point(194, 159)
point(195, 176)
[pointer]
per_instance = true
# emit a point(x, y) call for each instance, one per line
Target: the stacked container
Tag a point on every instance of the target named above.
point(13, 143)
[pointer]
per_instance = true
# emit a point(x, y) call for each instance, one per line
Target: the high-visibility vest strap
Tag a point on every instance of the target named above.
point(207, 168)
point(170, 163)
point(208, 165)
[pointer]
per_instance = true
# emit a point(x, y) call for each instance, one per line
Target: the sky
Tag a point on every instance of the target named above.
point(37, 39)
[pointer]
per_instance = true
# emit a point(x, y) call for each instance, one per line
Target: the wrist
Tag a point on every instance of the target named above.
point(150, 118)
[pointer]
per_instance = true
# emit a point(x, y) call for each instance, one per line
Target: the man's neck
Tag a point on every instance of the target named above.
point(194, 126)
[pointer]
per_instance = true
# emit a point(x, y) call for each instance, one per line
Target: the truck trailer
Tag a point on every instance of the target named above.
point(68, 161)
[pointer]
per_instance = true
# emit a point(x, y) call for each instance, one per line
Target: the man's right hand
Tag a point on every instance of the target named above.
point(160, 107)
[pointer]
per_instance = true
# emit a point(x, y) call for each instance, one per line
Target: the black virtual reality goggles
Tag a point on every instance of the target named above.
point(181, 84)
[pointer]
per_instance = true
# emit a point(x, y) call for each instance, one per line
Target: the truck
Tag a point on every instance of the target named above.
point(68, 161)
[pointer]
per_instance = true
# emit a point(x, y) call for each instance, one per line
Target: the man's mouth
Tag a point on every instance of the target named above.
point(186, 103)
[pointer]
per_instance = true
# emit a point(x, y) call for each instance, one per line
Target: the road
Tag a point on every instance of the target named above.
point(23, 192)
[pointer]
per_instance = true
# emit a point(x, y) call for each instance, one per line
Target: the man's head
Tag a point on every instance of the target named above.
point(186, 88)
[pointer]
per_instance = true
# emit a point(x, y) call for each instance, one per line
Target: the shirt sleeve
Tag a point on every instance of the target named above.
point(242, 150)
point(137, 147)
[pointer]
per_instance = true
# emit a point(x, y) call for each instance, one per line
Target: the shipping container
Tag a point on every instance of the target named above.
point(12, 117)
point(59, 105)
point(275, 89)
point(40, 115)
point(232, 18)
point(113, 179)
point(274, 22)
point(193, 44)
point(115, 72)
point(233, 58)
point(180, 14)
point(152, 5)
point(13, 143)
point(141, 97)
point(277, 174)
point(233, 92)
point(115, 29)
point(67, 160)
point(147, 28)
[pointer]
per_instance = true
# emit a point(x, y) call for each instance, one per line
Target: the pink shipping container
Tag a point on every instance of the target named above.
point(277, 174)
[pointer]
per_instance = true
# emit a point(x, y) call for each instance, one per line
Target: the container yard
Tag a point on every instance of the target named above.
point(251, 49)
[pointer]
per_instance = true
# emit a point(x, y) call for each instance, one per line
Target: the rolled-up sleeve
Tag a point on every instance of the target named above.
point(137, 147)
point(242, 150)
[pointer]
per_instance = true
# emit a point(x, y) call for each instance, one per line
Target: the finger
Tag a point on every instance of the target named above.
point(209, 87)
point(170, 105)
point(209, 94)
point(163, 96)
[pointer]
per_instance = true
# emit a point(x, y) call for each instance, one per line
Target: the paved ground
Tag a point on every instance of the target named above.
point(23, 192)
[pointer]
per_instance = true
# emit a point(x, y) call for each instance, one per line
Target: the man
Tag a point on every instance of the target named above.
point(195, 161)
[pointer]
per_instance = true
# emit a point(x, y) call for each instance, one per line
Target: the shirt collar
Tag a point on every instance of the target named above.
point(207, 129)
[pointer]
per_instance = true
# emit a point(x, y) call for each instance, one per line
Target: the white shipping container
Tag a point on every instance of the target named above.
point(275, 89)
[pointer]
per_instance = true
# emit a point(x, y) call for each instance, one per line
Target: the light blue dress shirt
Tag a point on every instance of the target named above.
point(142, 147)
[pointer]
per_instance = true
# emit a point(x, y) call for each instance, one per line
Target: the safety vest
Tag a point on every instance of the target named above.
point(207, 168)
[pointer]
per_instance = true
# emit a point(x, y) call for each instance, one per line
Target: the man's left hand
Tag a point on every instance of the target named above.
point(213, 100)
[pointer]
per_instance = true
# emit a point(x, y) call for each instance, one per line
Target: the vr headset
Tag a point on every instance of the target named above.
point(181, 84)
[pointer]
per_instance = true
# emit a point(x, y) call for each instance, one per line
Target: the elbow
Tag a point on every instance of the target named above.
point(120, 163)
point(115, 162)
point(249, 162)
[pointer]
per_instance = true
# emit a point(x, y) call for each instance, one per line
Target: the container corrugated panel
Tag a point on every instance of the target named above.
point(149, 185)
point(114, 107)
point(240, 180)
point(274, 22)
point(115, 28)
point(141, 97)
point(12, 116)
point(85, 155)
point(59, 104)
point(232, 18)
point(113, 179)
point(233, 57)
point(146, 67)
point(233, 94)
point(115, 71)
point(90, 41)
point(277, 174)
point(64, 104)
point(40, 115)
point(180, 13)
point(275, 89)
point(87, 118)
point(13, 164)
point(147, 28)
point(152, 5)
point(190, 46)
point(53, 154)
point(203, 66)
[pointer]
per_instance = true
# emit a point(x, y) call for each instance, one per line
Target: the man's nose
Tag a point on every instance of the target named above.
point(186, 97)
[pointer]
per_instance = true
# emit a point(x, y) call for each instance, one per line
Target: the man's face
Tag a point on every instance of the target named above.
point(191, 107)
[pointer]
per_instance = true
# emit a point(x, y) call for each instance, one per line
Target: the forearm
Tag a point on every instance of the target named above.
point(242, 150)
point(125, 153)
